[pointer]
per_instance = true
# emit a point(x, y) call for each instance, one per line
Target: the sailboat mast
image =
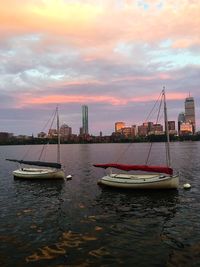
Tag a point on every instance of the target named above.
point(58, 132)
point(168, 157)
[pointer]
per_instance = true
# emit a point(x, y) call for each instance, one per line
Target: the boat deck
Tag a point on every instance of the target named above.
point(136, 176)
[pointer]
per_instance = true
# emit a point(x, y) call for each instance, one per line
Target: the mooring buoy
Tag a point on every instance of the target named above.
point(69, 177)
point(187, 186)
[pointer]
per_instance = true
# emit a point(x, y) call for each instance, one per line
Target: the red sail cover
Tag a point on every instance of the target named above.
point(160, 169)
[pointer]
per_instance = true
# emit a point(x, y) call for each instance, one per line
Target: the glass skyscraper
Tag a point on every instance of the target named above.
point(85, 119)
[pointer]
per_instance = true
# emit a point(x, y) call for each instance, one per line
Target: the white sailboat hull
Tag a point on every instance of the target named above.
point(142, 181)
point(38, 173)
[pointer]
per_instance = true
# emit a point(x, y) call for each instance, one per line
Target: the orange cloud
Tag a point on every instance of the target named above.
point(185, 43)
point(93, 24)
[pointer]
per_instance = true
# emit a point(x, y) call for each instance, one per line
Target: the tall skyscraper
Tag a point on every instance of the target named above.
point(190, 112)
point(85, 119)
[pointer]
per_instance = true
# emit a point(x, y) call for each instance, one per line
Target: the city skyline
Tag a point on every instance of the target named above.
point(75, 53)
point(184, 125)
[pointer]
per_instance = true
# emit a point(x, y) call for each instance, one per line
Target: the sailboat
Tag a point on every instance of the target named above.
point(152, 177)
point(46, 170)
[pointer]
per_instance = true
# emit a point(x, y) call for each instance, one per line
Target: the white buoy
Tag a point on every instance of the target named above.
point(69, 177)
point(187, 186)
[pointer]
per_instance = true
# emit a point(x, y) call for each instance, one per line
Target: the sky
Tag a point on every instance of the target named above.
point(114, 56)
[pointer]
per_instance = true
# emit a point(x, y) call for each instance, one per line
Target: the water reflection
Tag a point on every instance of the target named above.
point(78, 223)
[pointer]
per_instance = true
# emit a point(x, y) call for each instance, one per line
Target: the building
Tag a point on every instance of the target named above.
point(172, 128)
point(81, 131)
point(186, 128)
point(146, 128)
point(85, 130)
point(190, 112)
point(119, 126)
point(156, 129)
point(65, 132)
point(4, 136)
point(42, 135)
point(52, 133)
point(171, 125)
point(181, 119)
point(143, 130)
point(134, 130)
point(149, 125)
point(127, 132)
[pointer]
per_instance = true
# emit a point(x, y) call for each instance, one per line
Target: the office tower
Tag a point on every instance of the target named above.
point(181, 119)
point(190, 112)
point(118, 126)
point(85, 119)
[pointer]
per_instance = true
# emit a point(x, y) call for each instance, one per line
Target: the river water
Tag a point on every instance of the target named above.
point(78, 223)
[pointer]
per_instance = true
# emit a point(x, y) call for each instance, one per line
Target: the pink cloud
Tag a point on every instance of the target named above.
point(161, 76)
point(153, 97)
point(81, 99)
point(74, 99)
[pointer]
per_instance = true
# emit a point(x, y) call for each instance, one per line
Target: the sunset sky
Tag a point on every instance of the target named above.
point(113, 55)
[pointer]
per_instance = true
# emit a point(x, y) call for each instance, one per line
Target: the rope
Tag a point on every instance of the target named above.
point(158, 115)
point(52, 118)
point(158, 99)
point(45, 145)
point(147, 118)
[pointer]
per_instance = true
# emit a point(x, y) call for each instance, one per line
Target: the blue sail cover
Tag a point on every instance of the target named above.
point(38, 163)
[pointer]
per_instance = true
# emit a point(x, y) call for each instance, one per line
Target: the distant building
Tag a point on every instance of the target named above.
point(118, 126)
point(81, 131)
point(190, 112)
point(186, 128)
point(126, 131)
point(143, 130)
point(134, 130)
point(42, 135)
point(85, 120)
point(181, 119)
point(172, 128)
point(23, 137)
point(149, 125)
point(52, 133)
point(156, 129)
point(5, 136)
point(171, 125)
point(65, 131)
